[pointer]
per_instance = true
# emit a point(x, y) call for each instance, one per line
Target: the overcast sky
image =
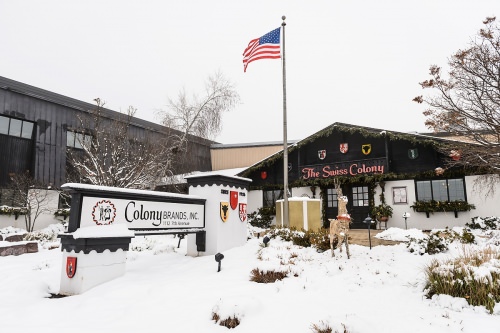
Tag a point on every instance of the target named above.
point(357, 62)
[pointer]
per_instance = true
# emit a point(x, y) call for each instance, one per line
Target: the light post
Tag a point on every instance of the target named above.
point(405, 216)
point(369, 221)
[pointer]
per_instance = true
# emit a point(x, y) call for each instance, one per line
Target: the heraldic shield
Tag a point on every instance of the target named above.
point(70, 266)
point(412, 153)
point(322, 154)
point(233, 199)
point(243, 212)
point(224, 211)
point(344, 147)
point(366, 148)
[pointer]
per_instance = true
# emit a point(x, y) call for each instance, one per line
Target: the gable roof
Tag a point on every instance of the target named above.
point(425, 139)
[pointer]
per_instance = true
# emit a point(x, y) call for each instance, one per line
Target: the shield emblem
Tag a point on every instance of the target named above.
point(70, 266)
point(233, 199)
point(344, 147)
point(322, 154)
point(263, 174)
point(366, 148)
point(412, 153)
point(243, 212)
point(224, 211)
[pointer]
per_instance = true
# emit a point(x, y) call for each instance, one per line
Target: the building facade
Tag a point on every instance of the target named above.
point(405, 171)
point(37, 127)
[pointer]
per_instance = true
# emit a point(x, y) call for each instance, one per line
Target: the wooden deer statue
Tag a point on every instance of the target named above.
point(339, 227)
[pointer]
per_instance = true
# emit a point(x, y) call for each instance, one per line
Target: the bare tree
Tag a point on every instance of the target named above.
point(111, 155)
point(201, 116)
point(32, 195)
point(467, 103)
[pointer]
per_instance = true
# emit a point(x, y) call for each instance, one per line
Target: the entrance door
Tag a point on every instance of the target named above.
point(358, 206)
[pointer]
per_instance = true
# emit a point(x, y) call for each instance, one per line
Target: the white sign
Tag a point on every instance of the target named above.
point(141, 214)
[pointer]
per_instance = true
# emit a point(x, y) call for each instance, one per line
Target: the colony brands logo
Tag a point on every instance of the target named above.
point(104, 212)
point(134, 212)
point(344, 169)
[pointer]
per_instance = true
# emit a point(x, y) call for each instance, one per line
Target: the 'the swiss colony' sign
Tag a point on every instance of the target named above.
point(139, 214)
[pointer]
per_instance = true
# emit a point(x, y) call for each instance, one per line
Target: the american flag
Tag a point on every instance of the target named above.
point(265, 47)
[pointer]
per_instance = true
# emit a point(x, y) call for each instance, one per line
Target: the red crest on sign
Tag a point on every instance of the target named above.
point(243, 212)
point(233, 199)
point(344, 147)
point(70, 266)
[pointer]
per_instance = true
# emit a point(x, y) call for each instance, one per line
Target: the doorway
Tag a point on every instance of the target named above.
point(358, 206)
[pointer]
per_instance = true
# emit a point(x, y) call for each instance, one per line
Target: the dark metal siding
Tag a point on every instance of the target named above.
point(53, 114)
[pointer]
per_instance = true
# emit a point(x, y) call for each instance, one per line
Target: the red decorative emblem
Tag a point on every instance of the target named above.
point(455, 155)
point(263, 174)
point(104, 212)
point(344, 147)
point(243, 212)
point(70, 266)
point(322, 154)
point(233, 199)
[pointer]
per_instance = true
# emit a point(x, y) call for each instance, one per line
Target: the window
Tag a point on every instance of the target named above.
point(440, 190)
point(270, 197)
point(75, 140)
point(331, 198)
point(16, 127)
point(360, 196)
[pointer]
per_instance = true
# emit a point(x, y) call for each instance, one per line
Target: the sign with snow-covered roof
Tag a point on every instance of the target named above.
point(137, 209)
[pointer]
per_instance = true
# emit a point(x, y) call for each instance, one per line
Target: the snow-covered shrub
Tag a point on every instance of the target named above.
point(47, 237)
point(432, 244)
point(474, 276)
point(463, 235)
point(484, 223)
point(261, 218)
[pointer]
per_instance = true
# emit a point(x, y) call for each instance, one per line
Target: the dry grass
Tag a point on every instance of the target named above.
point(230, 322)
point(457, 277)
point(259, 276)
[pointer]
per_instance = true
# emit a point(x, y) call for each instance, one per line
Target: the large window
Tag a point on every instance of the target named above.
point(360, 196)
point(331, 198)
point(75, 140)
point(270, 197)
point(15, 127)
point(440, 190)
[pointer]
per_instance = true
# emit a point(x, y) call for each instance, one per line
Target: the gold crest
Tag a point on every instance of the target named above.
point(224, 211)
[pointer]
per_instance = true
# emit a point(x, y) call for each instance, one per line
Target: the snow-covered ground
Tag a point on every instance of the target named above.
point(163, 290)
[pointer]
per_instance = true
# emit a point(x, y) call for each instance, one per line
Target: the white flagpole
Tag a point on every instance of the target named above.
point(285, 220)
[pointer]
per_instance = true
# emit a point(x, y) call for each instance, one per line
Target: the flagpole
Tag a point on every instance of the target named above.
point(285, 220)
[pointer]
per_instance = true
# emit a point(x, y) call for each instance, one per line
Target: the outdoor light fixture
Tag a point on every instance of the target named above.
point(405, 216)
point(369, 221)
point(266, 240)
point(218, 258)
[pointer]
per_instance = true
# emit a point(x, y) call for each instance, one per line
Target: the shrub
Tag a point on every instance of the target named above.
point(301, 238)
point(432, 244)
point(465, 237)
point(321, 240)
point(457, 277)
point(261, 218)
point(259, 276)
point(486, 223)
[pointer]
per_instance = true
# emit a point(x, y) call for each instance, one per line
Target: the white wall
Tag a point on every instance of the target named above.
point(220, 235)
point(44, 220)
point(485, 206)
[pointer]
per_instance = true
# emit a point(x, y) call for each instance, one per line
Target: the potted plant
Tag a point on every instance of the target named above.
point(382, 212)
